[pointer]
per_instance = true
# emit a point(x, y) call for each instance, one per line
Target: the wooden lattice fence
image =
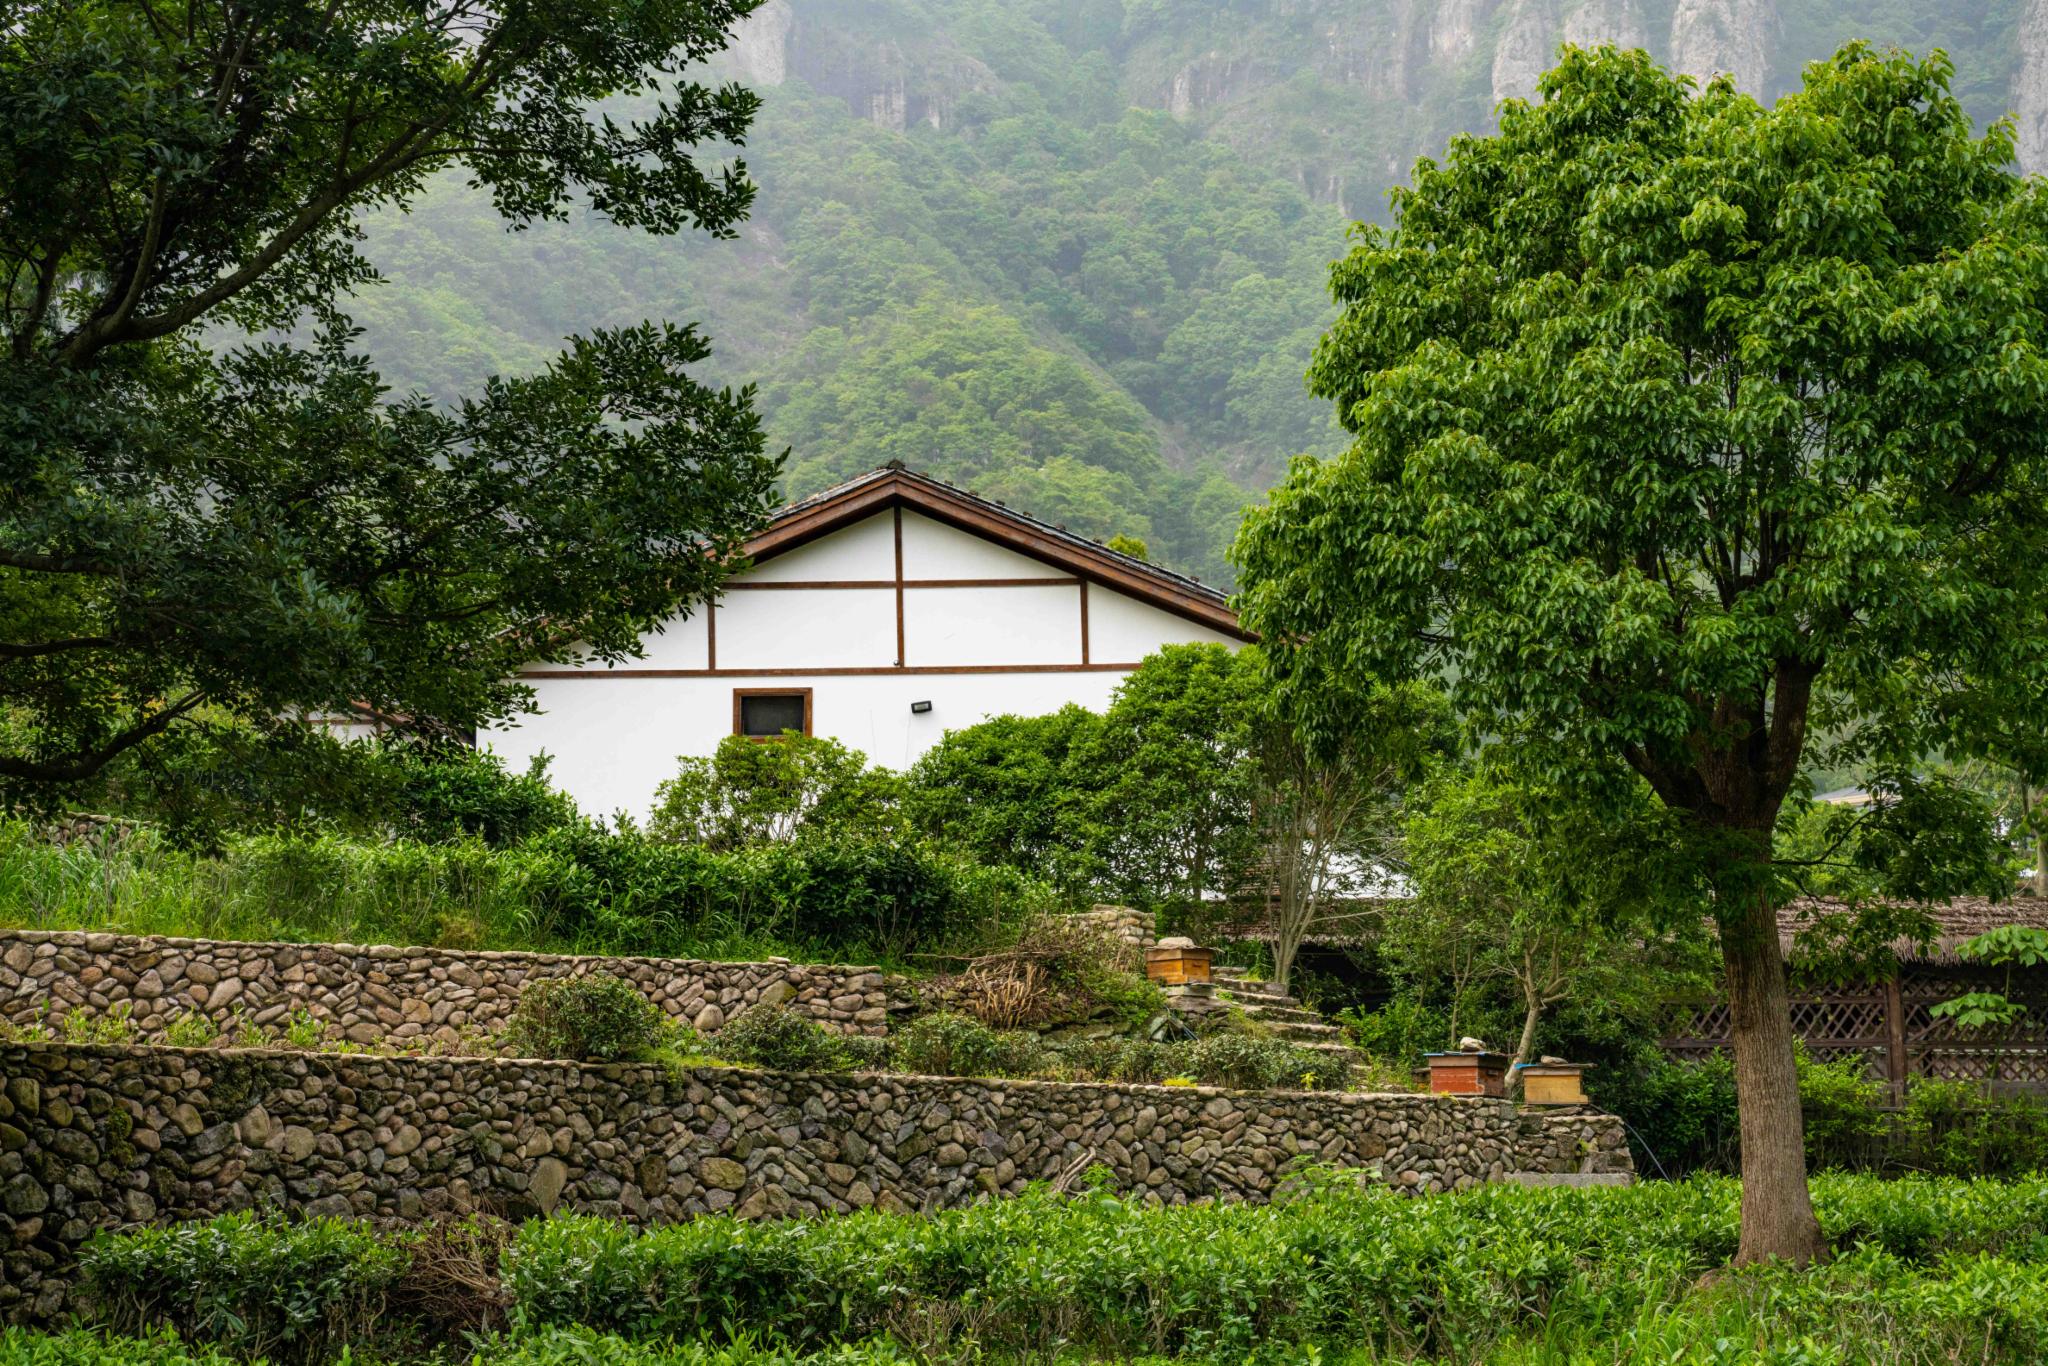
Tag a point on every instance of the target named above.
point(1889, 1024)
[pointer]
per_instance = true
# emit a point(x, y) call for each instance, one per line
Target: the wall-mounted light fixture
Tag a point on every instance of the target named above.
point(920, 708)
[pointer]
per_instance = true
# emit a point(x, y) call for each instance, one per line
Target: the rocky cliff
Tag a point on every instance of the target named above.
point(1348, 92)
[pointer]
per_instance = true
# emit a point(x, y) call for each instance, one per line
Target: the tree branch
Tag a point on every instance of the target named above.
point(54, 647)
point(85, 765)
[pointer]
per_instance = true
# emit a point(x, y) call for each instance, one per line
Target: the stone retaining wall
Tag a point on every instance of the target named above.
point(370, 994)
point(98, 1137)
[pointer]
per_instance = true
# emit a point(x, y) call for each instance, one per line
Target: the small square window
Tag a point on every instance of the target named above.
point(765, 713)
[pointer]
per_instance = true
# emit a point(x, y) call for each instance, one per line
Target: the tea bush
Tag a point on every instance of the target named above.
point(21, 1347)
point(777, 1037)
point(249, 1285)
point(593, 1018)
point(1241, 1061)
point(1926, 1270)
point(950, 1045)
point(1335, 1267)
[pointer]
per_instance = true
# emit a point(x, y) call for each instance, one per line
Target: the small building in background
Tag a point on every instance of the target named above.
point(882, 613)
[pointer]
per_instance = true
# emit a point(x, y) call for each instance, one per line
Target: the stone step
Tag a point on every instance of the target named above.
point(1259, 1011)
point(1260, 998)
point(1295, 1032)
point(1226, 972)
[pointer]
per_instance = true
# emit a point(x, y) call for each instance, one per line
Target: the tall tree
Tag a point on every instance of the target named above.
point(1685, 431)
point(190, 534)
point(1329, 798)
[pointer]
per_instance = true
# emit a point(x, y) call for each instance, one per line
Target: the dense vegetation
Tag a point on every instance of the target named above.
point(214, 518)
point(1124, 358)
point(1927, 1271)
point(983, 245)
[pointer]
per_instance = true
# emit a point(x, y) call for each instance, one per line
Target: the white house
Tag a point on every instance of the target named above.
point(883, 613)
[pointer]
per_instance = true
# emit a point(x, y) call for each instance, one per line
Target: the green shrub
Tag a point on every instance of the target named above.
point(1240, 1061)
point(248, 1285)
point(866, 1052)
point(1255, 1064)
point(570, 888)
point(21, 1347)
point(1845, 1128)
point(593, 1018)
point(950, 1045)
point(1926, 1271)
point(1398, 1033)
point(116, 1026)
point(1953, 1127)
point(192, 1029)
point(579, 1347)
point(774, 1036)
point(448, 793)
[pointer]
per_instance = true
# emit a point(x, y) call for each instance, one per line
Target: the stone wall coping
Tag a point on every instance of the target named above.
point(104, 941)
point(657, 1072)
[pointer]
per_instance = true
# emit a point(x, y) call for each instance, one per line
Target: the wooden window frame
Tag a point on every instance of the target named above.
point(738, 694)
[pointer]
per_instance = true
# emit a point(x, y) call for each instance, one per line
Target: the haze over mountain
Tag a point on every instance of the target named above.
point(1070, 253)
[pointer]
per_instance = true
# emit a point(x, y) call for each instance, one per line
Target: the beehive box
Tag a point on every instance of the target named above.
point(1177, 967)
point(1554, 1083)
point(1468, 1074)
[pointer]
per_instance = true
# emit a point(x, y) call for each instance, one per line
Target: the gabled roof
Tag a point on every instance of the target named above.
point(823, 513)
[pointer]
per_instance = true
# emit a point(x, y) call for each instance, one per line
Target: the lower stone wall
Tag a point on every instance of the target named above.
point(101, 1137)
point(378, 993)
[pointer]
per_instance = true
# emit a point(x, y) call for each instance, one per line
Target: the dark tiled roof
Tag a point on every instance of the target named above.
point(1186, 583)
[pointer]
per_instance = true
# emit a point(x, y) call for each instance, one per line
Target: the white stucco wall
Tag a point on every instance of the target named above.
point(614, 734)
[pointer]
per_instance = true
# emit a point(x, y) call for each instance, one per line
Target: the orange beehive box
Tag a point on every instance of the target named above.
point(1468, 1074)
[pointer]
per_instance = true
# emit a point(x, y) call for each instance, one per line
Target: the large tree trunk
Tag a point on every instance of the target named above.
point(1777, 1209)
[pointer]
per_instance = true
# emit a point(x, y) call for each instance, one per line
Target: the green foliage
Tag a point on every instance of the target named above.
point(785, 1040)
point(216, 517)
point(1607, 1275)
point(1185, 787)
point(572, 889)
point(2007, 946)
point(117, 1026)
point(1171, 778)
point(1239, 1061)
point(565, 1346)
point(1954, 1128)
point(593, 1018)
point(1839, 1102)
point(78, 1347)
point(191, 1029)
point(444, 794)
point(1694, 454)
point(1524, 531)
point(1683, 1114)
point(1530, 897)
point(252, 1286)
point(1399, 1032)
point(1001, 791)
point(752, 792)
point(946, 1044)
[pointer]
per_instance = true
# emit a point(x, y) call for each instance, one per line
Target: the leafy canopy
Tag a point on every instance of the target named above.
point(1685, 429)
point(190, 535)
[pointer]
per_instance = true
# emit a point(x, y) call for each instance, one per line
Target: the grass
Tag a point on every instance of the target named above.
point(329, 889)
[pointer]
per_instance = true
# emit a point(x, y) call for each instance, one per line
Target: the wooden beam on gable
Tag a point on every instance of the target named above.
point(892, 490)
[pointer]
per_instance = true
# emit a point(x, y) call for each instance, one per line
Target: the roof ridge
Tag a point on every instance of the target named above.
point(897, 469)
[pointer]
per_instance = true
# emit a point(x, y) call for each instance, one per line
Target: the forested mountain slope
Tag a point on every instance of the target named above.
point(1070, 253)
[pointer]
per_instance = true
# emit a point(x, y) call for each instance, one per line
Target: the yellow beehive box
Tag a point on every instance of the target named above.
point(1554, 1083)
